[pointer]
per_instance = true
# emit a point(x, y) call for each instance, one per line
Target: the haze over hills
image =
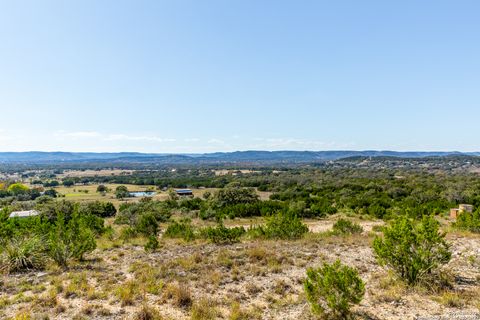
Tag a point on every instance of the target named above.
point(218, 157)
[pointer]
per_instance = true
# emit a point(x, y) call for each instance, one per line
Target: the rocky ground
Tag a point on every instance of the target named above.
point(248, 280)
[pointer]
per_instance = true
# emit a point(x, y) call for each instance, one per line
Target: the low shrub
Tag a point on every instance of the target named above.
point(222, 234)
point(147, 313)
point(469, 221)
point(180, 295)
point(70, 239)
point(412, 250)
point(182, 229)
point(98, 208)
point(24, 253)
point(130, 213)
point(280, 226)
point(204, 310)
point(332, 289)
point(152, 244)
point(343, 226)
point(147, 225)
point(128, 233)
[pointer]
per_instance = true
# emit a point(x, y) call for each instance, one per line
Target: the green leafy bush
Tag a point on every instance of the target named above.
point(70, 239)
point(147, 225)
point(222, 234)
point(321, 208)
point(332, 289)
point(343, 226)
point(23, 253)
point(234, 195)
point(18, 188)
point(98, 208)
point(280, 226)
point(469, 221)
point(130, 213)
point(128, 233)
point(182, 229)
point(122, 192)
point(412, 250)
point(152, 243)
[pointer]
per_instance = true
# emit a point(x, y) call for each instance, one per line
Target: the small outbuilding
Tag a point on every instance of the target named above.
point(184, 192)
point(24, 214)
point(461, 208)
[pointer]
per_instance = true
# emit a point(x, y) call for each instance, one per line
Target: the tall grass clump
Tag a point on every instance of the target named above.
point(23, 253)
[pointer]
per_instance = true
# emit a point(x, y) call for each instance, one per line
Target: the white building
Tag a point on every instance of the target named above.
point(24, 214)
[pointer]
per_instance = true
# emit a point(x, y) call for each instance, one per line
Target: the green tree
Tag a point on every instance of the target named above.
point(51, 193)
point(68, 182)
point(17, 189)
point(98, 208)
point(412, 250)
point(121, 192)
point(232, 196)
point(102, 188)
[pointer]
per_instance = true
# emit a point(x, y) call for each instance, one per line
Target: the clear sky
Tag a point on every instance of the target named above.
point(224, 75)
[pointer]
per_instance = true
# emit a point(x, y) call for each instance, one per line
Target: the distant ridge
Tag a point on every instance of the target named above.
point(38, 157)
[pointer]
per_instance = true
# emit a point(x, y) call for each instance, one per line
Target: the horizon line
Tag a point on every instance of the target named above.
point(246, 150)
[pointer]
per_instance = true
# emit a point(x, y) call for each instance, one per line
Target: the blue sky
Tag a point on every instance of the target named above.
point(218, 75)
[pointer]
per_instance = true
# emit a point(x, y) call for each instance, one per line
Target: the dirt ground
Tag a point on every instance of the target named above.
point(248, 280)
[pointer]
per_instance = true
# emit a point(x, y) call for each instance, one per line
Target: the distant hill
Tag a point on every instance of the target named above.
point(36, 157)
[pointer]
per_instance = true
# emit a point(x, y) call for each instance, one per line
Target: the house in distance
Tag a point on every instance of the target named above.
point(24, 214)
point(461, 208)
point(184, 192)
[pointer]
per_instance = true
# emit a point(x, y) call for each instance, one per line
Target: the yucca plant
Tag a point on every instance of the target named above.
point(23, 253)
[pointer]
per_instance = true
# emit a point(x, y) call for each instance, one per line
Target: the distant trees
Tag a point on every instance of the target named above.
point(17, 189)
point(102, 188)
point(52, 183)
point(121, 192)
point(98, 208)
point(68, 183)
point(234, 195)
point(51, 193)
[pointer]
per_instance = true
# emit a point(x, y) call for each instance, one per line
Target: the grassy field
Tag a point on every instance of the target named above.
point(86, 193)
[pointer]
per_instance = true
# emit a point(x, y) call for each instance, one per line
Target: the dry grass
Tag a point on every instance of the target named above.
point(249, 280)
point(179, 294)
point(204, 309)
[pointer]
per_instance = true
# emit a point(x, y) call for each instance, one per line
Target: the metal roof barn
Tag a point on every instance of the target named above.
point(24, 214)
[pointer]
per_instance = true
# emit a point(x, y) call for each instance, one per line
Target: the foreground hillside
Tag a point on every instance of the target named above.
point(253, 279)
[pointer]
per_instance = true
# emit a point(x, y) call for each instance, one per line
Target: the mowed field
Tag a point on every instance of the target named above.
point(85, 193)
